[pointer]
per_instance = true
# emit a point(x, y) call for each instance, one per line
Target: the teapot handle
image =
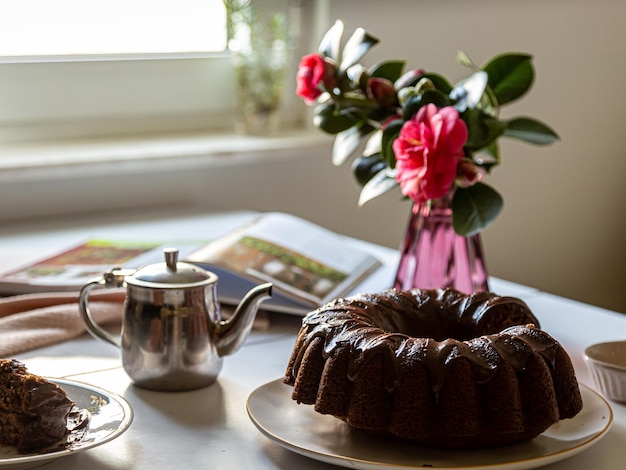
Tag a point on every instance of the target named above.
point(115, 278)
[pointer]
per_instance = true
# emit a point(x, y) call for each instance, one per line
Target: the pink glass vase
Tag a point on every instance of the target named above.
point(434, 256)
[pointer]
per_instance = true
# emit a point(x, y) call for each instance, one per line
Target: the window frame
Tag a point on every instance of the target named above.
point(77, 99)
point(118, 95)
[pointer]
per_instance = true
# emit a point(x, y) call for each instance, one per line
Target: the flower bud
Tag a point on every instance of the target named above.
point(405, 94)
point(469, 173)
point(382, 92)
point(424, 84)
point(409, 78)
point(330, 74)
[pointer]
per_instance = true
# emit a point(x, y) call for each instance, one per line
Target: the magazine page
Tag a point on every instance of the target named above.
point(73, 267)
point(306, 262)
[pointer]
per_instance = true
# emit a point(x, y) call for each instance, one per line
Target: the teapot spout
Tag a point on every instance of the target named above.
point(232, 333)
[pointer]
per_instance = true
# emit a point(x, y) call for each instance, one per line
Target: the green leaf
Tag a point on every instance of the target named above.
point(382, 182)
point(530, 130)
point(364, 168)
point(510, 76)
point(348, 141)
point(359, 43)
point(391, 133)
point(439, 81)
point(482, 128)
point(463, 59)
point(468, 93)
point(391, 70)
point(413, 104)
point(435, 97)
point(373, 144)
point(491, 156)
point(330, 46)
point(358, 75)
point(475, 208)
point(333, 120)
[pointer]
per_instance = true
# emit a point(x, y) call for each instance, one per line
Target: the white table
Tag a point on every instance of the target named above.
point(209, 428)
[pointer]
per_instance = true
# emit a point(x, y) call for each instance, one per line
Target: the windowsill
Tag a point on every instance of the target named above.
point(47, 160)
point(215, 172)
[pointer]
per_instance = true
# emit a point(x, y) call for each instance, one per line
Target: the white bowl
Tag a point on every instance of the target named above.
point(607, 364)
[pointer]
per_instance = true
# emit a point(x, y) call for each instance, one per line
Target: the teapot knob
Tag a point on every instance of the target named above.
point(171, 258)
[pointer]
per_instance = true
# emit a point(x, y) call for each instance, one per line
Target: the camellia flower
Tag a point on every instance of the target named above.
point(428, 152)
point(313, 72)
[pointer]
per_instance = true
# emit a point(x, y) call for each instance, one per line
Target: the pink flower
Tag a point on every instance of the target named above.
point(313, 72)
point(428, 151)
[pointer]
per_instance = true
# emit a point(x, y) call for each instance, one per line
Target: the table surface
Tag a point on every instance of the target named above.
point(210, 428)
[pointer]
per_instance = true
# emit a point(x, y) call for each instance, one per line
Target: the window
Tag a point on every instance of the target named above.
point(139, 91)
point(47, 29)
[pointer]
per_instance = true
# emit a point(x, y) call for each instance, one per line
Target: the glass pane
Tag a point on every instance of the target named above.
point(69, 27)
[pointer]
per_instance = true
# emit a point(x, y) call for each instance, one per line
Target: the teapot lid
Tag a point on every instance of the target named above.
point(171, 274)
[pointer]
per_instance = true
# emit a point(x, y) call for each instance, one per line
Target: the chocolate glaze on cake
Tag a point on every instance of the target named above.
point(33, 411)
point(435, 366)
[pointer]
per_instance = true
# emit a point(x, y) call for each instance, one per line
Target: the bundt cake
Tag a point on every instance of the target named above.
point(33, 410)
point(438, 367)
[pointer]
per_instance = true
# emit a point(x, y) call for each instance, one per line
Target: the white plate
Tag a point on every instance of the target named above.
point(300, 429)
point(110, 416)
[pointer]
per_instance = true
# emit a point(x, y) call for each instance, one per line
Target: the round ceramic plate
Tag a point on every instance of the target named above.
point(300, 429)
point(109, 416)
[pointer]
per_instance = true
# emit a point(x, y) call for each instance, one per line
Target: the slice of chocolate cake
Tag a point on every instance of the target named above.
point(33, 410)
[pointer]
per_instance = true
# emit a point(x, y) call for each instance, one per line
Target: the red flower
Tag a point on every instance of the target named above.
point(313, 72)
point(428, 152)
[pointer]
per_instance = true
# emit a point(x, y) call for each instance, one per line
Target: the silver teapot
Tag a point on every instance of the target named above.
point(173, 337)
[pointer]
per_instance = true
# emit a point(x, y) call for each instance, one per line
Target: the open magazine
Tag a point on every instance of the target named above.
point(308, 264)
